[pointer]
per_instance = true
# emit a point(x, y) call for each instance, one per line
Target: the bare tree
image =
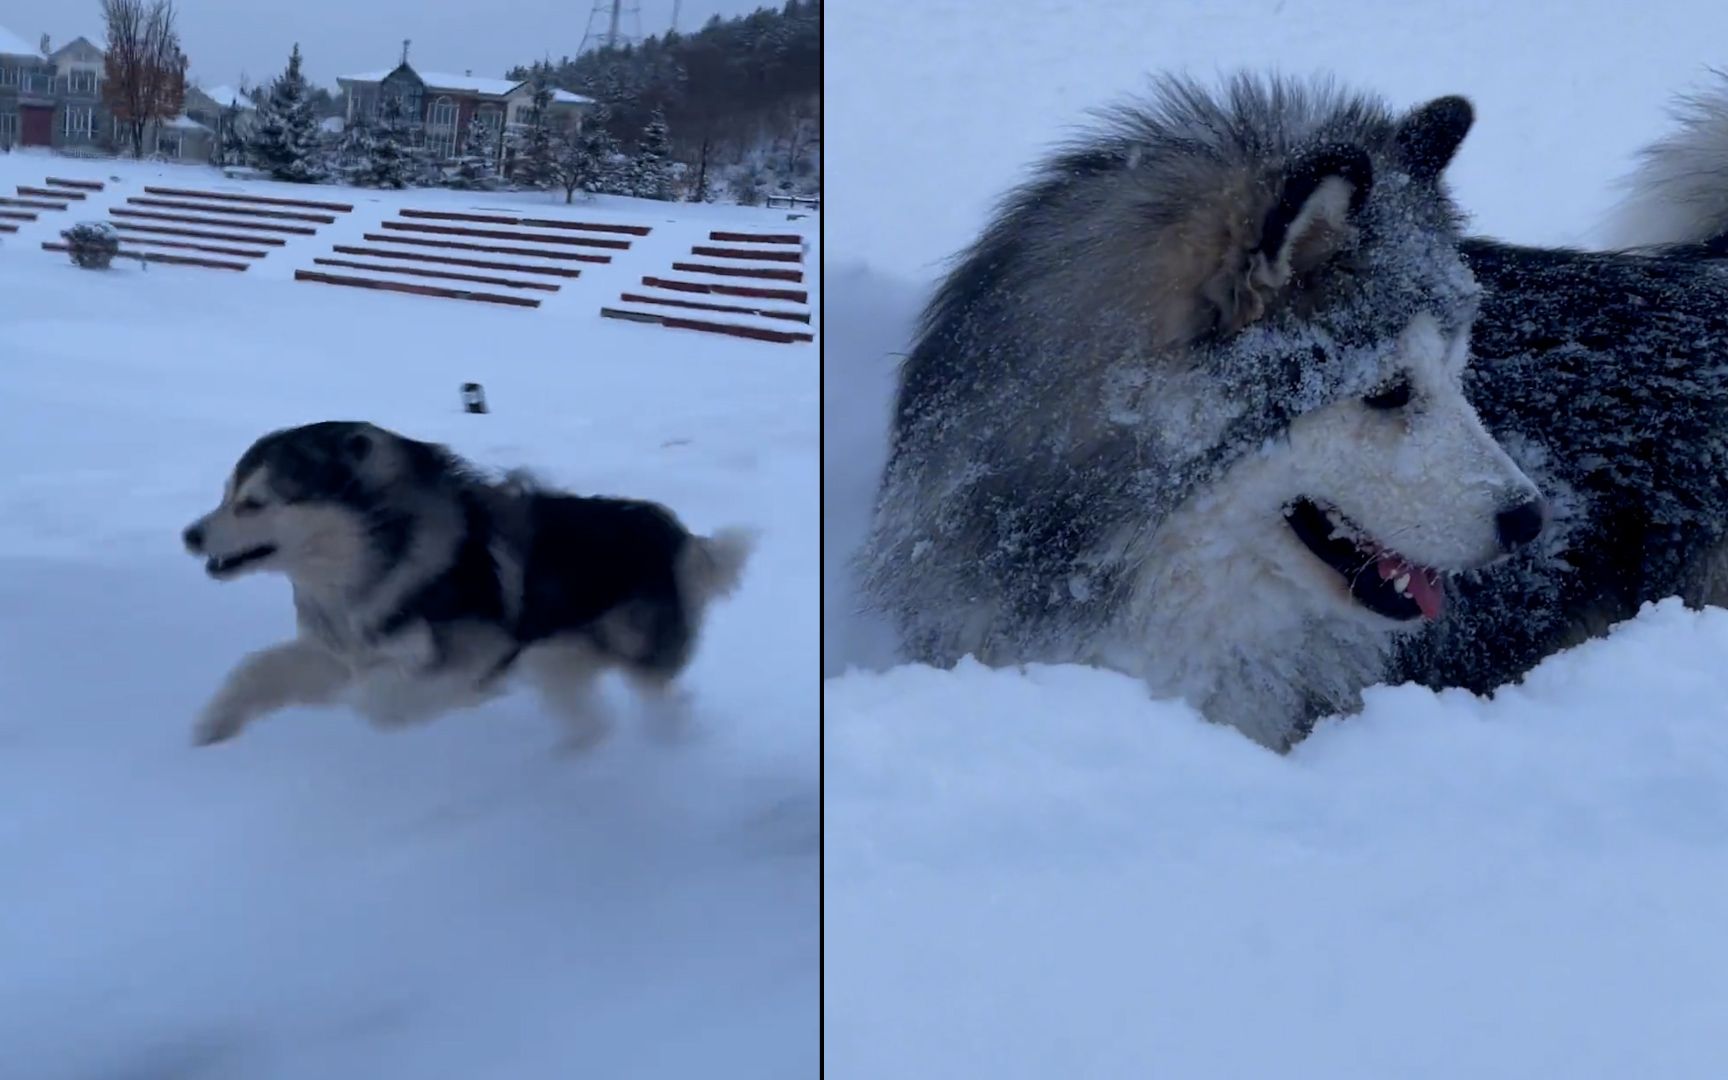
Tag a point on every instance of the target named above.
point(145, 71)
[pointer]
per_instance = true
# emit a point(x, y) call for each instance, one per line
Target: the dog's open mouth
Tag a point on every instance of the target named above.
point(1379, 578)
point(230, 564)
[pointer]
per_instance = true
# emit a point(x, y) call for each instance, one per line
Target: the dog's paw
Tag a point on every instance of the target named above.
point(216, 727)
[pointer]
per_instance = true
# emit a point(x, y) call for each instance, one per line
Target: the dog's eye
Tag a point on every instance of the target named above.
point(1394, 395)
point(248, 505)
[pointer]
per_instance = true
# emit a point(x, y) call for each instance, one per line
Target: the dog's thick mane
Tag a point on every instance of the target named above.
point(1130, 324)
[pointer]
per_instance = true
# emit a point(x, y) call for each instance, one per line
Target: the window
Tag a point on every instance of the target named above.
point(443, 113)
point(81, 82)
point(168, 143)
point(80, 122)
point(8, 75)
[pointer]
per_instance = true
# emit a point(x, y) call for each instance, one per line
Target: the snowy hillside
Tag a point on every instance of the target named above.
point(319, 899)
point(1042, 873)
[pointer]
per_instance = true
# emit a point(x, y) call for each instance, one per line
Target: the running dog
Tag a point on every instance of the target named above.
point(420, 586)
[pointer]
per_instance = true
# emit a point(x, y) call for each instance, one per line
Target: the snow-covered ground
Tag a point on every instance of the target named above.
point(319, 900)
point(1043, 873)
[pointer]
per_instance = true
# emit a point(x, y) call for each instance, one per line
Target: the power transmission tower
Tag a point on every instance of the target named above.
point(612, 24)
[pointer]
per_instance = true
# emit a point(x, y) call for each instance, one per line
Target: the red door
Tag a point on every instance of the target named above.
point(36, 125)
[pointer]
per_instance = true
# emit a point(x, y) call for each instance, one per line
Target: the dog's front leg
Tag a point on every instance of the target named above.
point(293, 673)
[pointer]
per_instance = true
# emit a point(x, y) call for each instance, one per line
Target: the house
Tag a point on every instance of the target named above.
point(53, 97)
point(217, 107)
point(440, 109)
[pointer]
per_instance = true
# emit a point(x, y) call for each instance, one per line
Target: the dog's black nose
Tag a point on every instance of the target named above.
point(1521, 524)
point(194, 537)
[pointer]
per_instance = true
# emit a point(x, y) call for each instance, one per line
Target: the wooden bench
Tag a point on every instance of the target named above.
point(261, 226)
point(757, 333)
point(446, 260)
point(490, 249)
point(757, 238)
point(18, 215)
point(748, 253)
point(798, 296)
point(420, 271)
point(83, 185)
point(49, 193)
point(740, 271)
point(416, 290)
point(526, 222)
point(164, 230)
point(147, 241)
point(502, 234)
point(158, 257)
point(39, 204)
point(243, 211)
point(697, 305)
point(266, 200)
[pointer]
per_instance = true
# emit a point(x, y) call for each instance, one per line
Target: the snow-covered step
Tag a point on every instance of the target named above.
point(502, 218)
point(750, 253)
point(160, 257)
point(264, 200)
point(219, 223)
point(231, 210)
point(715, 288)
point(726, 237)
point(197, 234)
point(79, 185)
point(706, 270)
point(182, 245)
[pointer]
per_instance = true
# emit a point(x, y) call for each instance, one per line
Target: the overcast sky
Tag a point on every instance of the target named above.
point(225, 38)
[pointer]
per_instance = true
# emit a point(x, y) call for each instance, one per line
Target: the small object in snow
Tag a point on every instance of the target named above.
point(473, 398)
point(92, 244)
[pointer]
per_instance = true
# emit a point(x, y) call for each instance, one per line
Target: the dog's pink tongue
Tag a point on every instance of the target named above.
point(1424, 586)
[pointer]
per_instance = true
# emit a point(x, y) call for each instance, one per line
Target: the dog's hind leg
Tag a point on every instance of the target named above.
point(565, 673)
point(293, 673)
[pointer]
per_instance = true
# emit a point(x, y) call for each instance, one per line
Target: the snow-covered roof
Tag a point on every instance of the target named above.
point(13, 45)
point(227, 95)
point(468, 84)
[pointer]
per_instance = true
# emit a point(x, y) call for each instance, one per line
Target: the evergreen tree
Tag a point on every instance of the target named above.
point(284, 142)
point(476, 169)
point(536, 150)
point(353, 157)
point(651, 168)
point(230, 148)
point(392, 163)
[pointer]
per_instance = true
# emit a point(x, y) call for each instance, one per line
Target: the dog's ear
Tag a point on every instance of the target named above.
point(1429, 136)
point(1311, 218)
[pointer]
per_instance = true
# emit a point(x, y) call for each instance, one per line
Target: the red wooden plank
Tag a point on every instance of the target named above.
point(40, 204)
point(798, 296)
point(164, 230)
point(41, 192)
point(538, 223)
point(492, 249)
point(420, 271)
point(417, 290)
point(772, 274)
point(243, 211)
point(481, 264)
point(747, 253)
point(159, 257)
point(264, 199)
point(261, 226)
point(18, 215)
point(211, 248)
point(87, 185)
point(757, 333)
point(757, 238)
point(697, 305)
point(7, 228)
point(503, 234)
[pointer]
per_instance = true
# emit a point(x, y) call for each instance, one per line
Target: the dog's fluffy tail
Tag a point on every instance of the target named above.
point(1678, 194)
point(711, 566)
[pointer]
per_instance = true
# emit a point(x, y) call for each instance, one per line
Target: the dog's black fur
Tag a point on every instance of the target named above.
point(1606, 375)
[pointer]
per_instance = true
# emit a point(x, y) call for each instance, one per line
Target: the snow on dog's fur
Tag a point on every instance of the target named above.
point(1191, 408)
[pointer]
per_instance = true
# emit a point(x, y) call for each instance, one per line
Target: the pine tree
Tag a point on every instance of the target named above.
point(536, 149)
point(284, 142)
point(476, 169)
point(651, 168)
point(354, 153)
point(392, 163)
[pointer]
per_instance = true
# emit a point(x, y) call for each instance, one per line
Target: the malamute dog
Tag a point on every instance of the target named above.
point(420, 586)
point(1606, 376)
point(1192, 408)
